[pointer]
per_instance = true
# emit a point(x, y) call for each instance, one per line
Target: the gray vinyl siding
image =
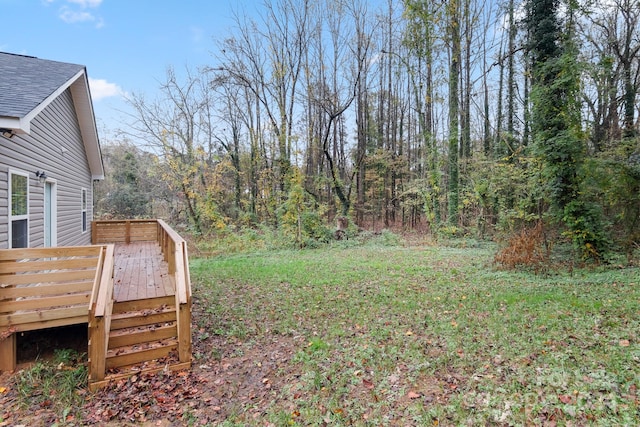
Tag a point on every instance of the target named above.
point(4, 200)
point(54, 146)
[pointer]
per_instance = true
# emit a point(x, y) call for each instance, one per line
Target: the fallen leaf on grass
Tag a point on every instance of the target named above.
point(368, 384)
point(624, 343)
point(565, 398)
point(413, 395)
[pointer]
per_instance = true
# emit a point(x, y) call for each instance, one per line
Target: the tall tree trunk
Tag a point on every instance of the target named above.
point(511, 83)
point(454, 108)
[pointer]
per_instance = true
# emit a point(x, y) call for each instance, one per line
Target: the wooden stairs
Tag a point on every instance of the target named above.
point(148, 334)
point(142, 332)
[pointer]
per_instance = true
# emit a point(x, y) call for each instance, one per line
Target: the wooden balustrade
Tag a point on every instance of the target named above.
point(100, 310)
point(43, 288)
point(174, 249)
point(124, 231)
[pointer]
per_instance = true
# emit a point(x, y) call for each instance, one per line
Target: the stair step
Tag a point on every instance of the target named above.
point(137, 370)
point(125, 356)
point(134, 319)
point(143, 304)
point(142, 334)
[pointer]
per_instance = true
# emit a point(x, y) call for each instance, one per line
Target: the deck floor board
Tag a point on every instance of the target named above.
point(140, 272)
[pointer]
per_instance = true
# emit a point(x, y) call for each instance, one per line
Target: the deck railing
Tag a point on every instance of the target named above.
point(124, 231)
point(43, 288)
point(174, 251)
point(100, 311)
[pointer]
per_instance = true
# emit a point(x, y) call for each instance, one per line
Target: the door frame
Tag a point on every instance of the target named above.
point(52, 208)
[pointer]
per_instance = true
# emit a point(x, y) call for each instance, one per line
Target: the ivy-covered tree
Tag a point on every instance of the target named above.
point(556, 126)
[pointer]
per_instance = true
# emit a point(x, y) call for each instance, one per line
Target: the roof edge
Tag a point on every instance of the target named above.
point(16, 124)
point(81, 94)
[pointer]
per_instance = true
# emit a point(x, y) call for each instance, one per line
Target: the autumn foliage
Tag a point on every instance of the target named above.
point(527, 248)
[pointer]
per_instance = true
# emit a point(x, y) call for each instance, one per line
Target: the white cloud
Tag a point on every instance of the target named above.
point(100, 88)
point(71, 16)
point(76, 11)
point(86, 3)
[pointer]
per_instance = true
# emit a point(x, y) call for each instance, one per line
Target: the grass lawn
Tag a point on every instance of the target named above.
point(393, 335)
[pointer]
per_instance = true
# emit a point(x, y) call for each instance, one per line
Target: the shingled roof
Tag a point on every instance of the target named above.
point(26, 81)
point(28, 84)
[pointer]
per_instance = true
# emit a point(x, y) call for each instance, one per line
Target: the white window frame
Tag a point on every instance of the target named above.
point(84, 202)
point(17, 217)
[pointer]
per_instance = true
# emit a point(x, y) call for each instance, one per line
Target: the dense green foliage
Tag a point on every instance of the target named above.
point(556, 125)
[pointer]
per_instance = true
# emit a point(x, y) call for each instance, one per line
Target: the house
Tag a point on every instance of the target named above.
point(128, 280)
point(49, 153)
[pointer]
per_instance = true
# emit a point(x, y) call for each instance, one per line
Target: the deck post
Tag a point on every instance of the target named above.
point(94, 233)
point(8, 353)
point(97, 349)
point(184, 332)
point(127, 232)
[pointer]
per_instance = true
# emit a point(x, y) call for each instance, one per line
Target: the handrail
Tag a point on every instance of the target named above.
point(187, 275)
point(174, 249)
point(96, 281)
point(181, 286)
point(100, 308)
point(105, 293)
point(170, 231)
point(178, 262)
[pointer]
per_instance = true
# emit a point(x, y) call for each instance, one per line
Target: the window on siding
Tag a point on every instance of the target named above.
point(84, 210)
point(19, 218)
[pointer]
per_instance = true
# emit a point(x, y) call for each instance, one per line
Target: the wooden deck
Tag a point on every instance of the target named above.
point(133, 278)
point(140, 272)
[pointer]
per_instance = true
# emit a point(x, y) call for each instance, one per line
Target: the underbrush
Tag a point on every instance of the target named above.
point(526, 248)
point(262, 238)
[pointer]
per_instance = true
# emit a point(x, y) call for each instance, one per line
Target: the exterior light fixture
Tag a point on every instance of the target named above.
point(42, 176)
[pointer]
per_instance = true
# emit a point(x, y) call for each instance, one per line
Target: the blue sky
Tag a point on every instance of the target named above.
point(126, 45)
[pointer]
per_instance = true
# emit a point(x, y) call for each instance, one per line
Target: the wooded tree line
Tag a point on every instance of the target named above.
point(450, 117)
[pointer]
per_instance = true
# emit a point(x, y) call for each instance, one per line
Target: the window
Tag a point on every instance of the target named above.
point(84, 210)
point(19, 215)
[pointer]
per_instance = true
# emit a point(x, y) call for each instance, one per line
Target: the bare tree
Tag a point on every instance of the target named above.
point(266, 58)
point(176, 125)
point(339, 58)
